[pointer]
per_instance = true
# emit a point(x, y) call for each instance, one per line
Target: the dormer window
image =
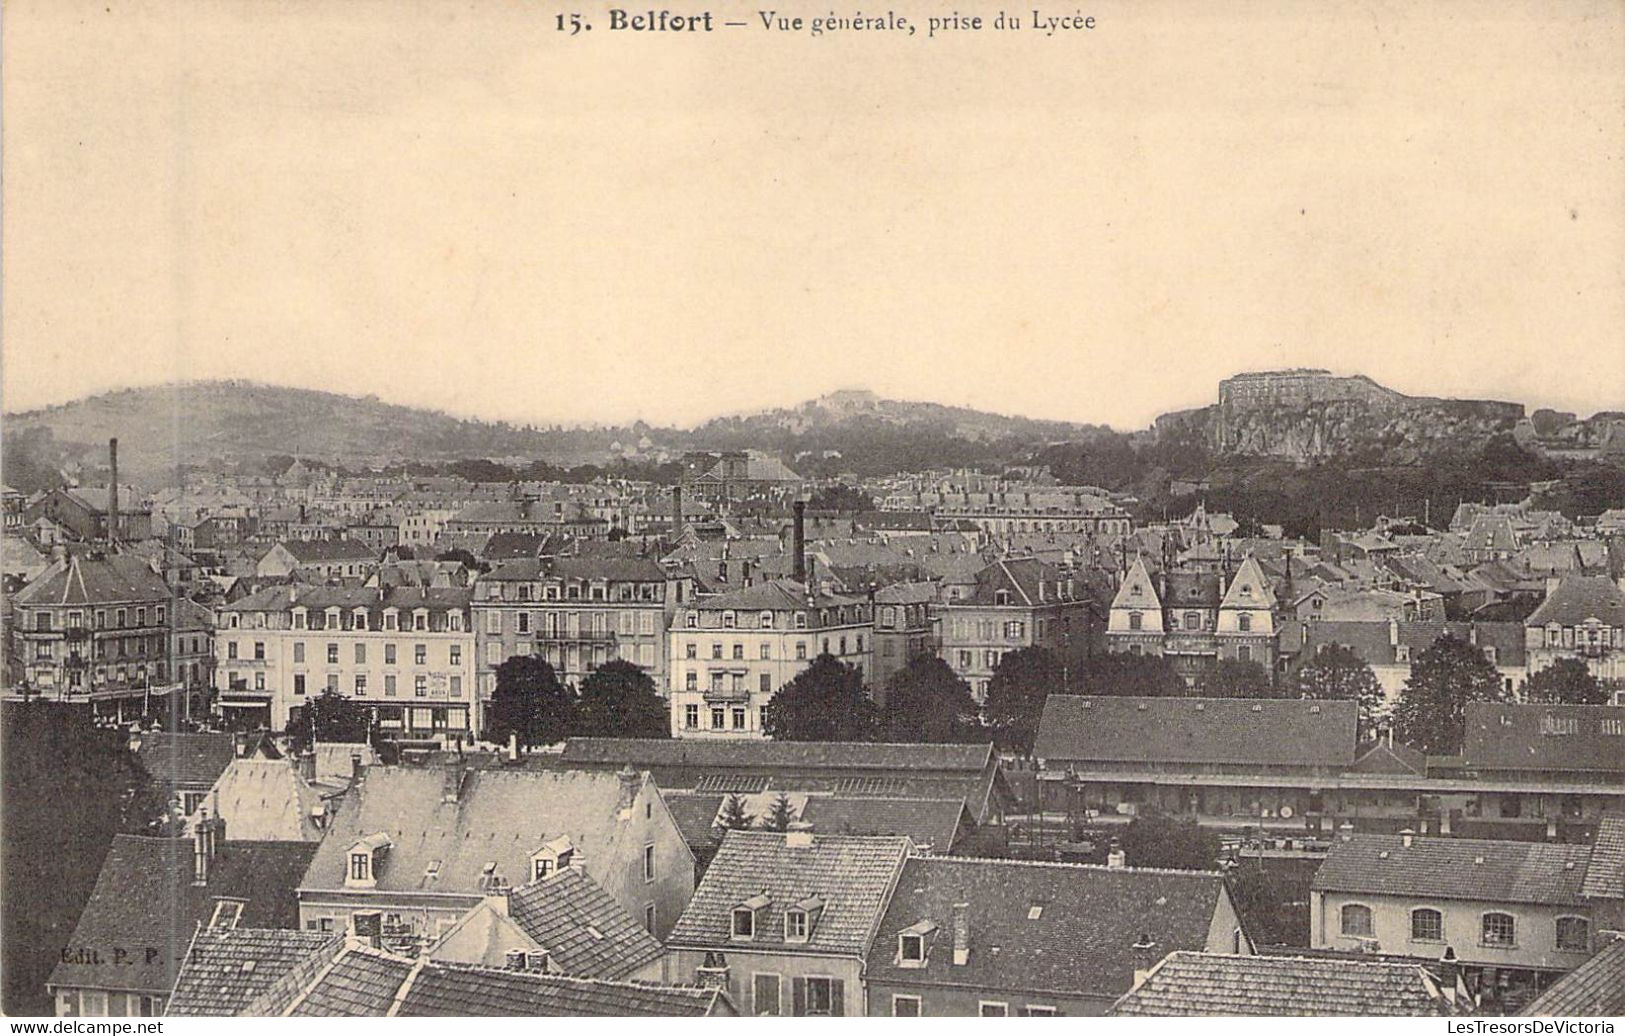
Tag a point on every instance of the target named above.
point(392, 619)
point(363, 858)
point(551, 858)
point(745, 917)
point(913, 944)
point(801, 918)
point(227, 912)
point(766, 621)
point(727, 620)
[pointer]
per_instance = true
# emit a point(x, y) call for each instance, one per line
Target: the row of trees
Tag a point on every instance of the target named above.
point(616, 700)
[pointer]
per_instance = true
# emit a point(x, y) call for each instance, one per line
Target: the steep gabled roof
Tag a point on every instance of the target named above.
point(1066, 929)
point(145, 896)
point(1234, 731)
point(1605, 875)
point(93, 579)
point(1455, 868)
point(1576, 599)
point(226, 968)
point(1139, 590)
point(328, 550)
point(191, 761)
point(585, 930)
point(265, 800)
point(851, 876)
point(1595, 989)
point(1186, 984)
point(1249, 589)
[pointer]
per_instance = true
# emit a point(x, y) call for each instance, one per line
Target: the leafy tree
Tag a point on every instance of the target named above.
point(927, 702)
point(619, 700)
point(1158, 840)
point(1232, 678)
point(1127, 675)
point(529, 701)
point(1016, 693)
point(734, 817)
point(780, 815)
point(826, 701)
point(1432, 710)
point(1567, 681)
point(330, 716)
point(1336, 673)
point(70, 786)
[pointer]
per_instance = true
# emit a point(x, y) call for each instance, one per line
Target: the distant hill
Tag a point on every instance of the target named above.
point(214, 423)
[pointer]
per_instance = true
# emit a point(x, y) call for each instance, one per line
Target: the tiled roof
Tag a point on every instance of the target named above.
point(851, 875)
point(191, 761)
point(1392, 758)
point(1043, 927)
point(1208, 731)
point(225, 969)
point(501, 816)
point(772, 595)
point(1595, 989)
point(375, 599)
point(462, 990)
point(358, 985)
point(1578, 598)
point(1374, 640)
point(1567, 738)
point(1455, 868)
point(95, 579)
point(585, 930)
point(1207, 984)
point(1605, 876)
point(144, 896)
point(721, 755)
point(1028, 580)
point(695, 814)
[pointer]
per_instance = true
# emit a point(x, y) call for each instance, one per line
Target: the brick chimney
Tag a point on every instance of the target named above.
point(112, 489)
point(307, 766)
point(798, 542)
point(631, 783)
point(961, 927)
point(676, 512)
point(203, 846)
point(799, 835)
point(355, 768)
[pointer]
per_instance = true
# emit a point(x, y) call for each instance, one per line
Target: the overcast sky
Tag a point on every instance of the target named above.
point(451, 205)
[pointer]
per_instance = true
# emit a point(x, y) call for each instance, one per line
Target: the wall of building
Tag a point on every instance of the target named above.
point(1535, 930)
point(744, 964)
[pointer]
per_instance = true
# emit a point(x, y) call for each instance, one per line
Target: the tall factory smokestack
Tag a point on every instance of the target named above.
point(676, 512)
point(799, 546)
point(112, 489)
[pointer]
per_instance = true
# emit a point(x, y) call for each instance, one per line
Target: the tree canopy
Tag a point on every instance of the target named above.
point(1158, 840)
point(529, 701)
point(780, 815)
point(1432, 710)
point(1127, 675)
point(927, 702)
point(1015, 696)
point(734, 816)
point(826, 701)
point(1336, 673)
point(1567, 681)
point(619, 700)
point(330, 716)
point(1232, 678)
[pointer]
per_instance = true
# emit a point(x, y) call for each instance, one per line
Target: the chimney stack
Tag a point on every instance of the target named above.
point(355, 768)
point(202, 848)
point(307, 766)
point(1116, 858)
point(631, 784)
point(513, 746)
point(516, 960)
point(112, 490)
point(799, 542)
point(676, 512)
point(451, 787)
point(799, 835)
point(961, 923)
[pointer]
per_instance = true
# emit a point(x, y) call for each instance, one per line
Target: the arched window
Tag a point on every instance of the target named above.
point(1573, 933)
point(1356, 919)
point(1499, 930)
point(1427, 925)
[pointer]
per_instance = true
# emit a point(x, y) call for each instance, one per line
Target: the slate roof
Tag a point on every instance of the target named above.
point(1392, 758)
point(190, 761)
point(1022, 578)
point(360, 984)
point(325, 550)
point(1555, 738)
point(564, 910)
point(695, 814)
point(1455, 868)
point(1080, 944)
point(1373, 640)
point(1595, 989)
point(225, 969)
point(852, 875)
point(375, 599)
point(1605, 877)
point(933, 823)
point(144, 897)
point(1209, 984)
point(501, 815)
point(720, 755)
point(1578, 598)
point(1204, 731)
point(771, 595)
point(93, 580)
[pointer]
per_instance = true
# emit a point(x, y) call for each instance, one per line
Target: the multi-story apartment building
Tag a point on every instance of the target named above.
point(1581, 617)
point(730, 653)
point(577, 613)
point(93, 627)
point(1016, 603)
point(1196, 618)
point(407, 652)
point(905, 626)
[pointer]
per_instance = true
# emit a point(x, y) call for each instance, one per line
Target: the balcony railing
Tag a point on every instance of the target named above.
point(574, 637)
